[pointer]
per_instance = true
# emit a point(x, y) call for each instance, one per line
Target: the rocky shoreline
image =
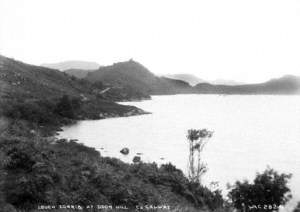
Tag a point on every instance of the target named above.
point(134, 112)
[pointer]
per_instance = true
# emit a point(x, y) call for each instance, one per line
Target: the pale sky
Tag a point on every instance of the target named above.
point(247, 41)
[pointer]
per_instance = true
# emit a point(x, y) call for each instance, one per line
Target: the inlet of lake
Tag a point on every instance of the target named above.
point(251, 132)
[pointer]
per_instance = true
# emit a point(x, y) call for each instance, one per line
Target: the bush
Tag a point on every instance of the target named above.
point(205, 197)
point(40, 112)
point(269, 191)
point(297, 208)
point(29, 176)
point(66, 107)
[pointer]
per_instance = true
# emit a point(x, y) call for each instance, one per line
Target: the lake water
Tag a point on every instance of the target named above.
point(250, 133)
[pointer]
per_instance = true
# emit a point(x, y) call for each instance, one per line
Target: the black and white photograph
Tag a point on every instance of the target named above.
point(149, 105)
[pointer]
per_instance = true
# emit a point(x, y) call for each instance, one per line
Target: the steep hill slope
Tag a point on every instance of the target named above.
point(29, 81)
point(24, 88)
point(133, 75)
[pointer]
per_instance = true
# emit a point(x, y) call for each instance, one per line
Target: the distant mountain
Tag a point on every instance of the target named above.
point(138, 80)
point(194, 80)
point(134, 76)
point(225, 82)
point(78, 73)
point(189, 78)
point(284, 85)
point(72, 64)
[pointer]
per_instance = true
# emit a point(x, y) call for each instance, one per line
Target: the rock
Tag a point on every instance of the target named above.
point(7, 208)
point(136, 159)
point(32, 131)
point(73, 140)
point(83, 98)
point(125, 151)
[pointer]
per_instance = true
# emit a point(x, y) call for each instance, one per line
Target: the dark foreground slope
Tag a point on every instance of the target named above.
point(134, 76)
point(36, 173)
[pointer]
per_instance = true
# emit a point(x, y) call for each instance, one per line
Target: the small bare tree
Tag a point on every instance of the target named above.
point(197, 140)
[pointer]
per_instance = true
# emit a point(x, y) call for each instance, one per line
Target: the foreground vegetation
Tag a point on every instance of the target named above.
point(46, 116)
point(38, 172)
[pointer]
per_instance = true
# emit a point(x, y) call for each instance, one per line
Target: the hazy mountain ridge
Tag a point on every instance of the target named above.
point(285, 85)
point(194, 80)
point(226, 82)
point(133, 75)
point(128, 80)
point(189, 78)
point(72, 64)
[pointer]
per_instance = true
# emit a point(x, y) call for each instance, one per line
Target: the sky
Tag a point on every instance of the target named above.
point(247, 41)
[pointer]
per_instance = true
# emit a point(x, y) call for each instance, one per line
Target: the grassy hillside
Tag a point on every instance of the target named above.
point(78, 73)
point(28, 81)
point(49, 97)
point(134, 76)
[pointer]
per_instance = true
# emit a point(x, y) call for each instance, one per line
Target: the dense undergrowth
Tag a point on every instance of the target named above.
point(47, 115)
point(38, 172)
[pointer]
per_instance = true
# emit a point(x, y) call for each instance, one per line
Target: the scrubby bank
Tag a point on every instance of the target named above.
point(39, 172)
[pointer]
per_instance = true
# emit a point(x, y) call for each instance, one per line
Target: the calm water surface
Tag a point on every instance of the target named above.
point(250, 133)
